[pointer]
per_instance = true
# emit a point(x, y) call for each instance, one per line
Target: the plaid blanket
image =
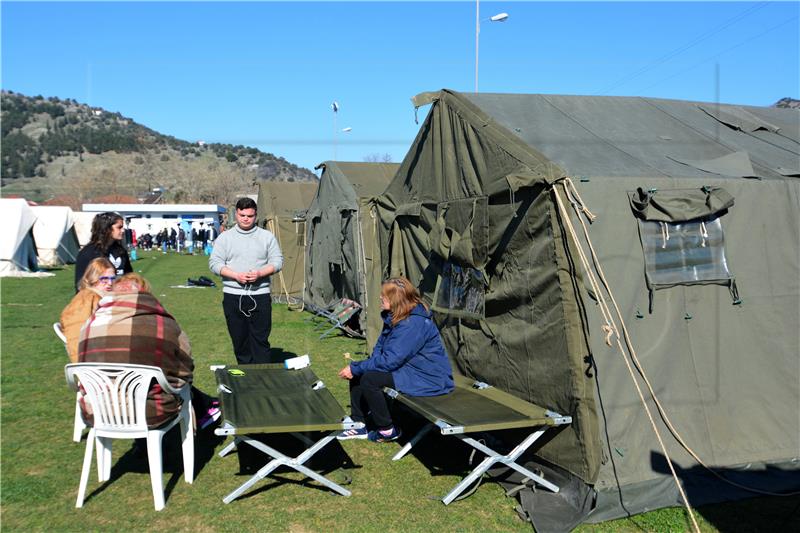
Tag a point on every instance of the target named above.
point(135, 328)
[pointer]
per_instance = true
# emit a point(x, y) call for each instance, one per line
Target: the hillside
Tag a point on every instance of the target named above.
point(53, 148)
point(790, 103)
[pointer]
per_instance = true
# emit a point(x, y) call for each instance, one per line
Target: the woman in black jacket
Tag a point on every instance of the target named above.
point(107, 234)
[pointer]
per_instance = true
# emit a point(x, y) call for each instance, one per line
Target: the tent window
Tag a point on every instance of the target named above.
point(460, 291)
point(684, 253)
point(300, 232)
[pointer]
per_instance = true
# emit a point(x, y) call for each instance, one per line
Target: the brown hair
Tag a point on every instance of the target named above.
point(402, 296)
point(101, 230)
point(93, 272)
point(132, 282)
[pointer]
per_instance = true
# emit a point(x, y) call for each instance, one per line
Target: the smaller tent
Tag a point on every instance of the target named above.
point(17, 246)
point(54, 232)
point(83, 226)
point(282, 209)
point(341, 233)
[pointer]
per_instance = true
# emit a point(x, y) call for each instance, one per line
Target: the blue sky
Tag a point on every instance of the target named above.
point(264, 74)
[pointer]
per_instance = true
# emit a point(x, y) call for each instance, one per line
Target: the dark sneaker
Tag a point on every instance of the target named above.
point(377, 435)
point(353, 434)
point(211, 416)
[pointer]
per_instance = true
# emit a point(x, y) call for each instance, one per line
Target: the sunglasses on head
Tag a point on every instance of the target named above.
point(397, 282)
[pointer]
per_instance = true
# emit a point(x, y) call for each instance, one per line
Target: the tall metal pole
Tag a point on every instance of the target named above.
point(335, 107)
point(477, 36)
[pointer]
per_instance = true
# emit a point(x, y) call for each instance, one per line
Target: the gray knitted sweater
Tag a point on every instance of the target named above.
point(241, 251)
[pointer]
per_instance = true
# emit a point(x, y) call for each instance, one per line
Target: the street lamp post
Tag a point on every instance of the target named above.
point(335, 108)
point(500, 17)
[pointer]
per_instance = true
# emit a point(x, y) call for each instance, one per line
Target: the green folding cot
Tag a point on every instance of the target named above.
point(473, 407)
point(268, 398)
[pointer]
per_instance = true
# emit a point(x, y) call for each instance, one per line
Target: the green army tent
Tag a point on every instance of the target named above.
point(342, 232)
point(698, 229)
point(282, 209)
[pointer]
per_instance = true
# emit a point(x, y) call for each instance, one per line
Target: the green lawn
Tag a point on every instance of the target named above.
point(41, 465)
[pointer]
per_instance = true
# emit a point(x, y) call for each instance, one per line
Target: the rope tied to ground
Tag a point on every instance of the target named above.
point(610, 326)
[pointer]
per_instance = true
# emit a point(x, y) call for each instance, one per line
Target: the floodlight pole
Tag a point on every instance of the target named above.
point(477, 38)
point(500, 17)
point(335, 136)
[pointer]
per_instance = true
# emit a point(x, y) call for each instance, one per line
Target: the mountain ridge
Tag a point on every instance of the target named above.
point(54, 147)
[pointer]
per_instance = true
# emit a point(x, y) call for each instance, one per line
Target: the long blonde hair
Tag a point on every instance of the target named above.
point(402, 296)
point(93, 272)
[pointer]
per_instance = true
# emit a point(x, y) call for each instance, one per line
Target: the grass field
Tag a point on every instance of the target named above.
point(41, 465)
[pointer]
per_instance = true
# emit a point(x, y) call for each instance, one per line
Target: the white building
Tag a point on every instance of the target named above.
point(152, 218)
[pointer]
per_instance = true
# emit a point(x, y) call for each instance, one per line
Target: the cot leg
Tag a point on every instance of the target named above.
point(329, 331)
point(261, 474)
point(469, 480)
point(495, 457)
point(230, 447)
point(414, 440)
point(281, 459)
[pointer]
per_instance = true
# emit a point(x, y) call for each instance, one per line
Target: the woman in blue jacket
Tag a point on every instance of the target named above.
point(409, 357)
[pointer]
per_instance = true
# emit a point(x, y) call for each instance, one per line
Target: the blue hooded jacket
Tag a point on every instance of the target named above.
point(413, 352)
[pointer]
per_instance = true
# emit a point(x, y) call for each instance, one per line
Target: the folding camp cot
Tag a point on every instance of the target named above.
point(268, 398)
point(473, 407)
point(344, 310)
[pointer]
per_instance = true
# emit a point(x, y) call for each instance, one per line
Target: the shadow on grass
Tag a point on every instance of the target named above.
point(332, 459)
point(135, 459)
point(741, 510)
point(441, 455)
point(279, 355)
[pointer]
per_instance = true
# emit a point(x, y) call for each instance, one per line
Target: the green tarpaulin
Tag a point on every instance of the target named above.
point(282, 210)
point(472, 211)
point(342, 232)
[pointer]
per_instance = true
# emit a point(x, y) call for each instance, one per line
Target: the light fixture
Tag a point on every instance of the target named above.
point(500, 17)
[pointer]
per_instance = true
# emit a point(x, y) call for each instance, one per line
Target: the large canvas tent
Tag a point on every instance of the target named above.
point(698, 227)
point(341, 232)
point(282, 210)
point(83, 226)
point(54, 232)
point(17, 245)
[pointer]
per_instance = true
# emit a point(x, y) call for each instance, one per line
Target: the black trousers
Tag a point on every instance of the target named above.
point(249, 320)
point(366, 395)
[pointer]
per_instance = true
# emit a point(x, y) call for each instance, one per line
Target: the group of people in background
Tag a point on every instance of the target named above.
point(175, 239)
point(115, 318)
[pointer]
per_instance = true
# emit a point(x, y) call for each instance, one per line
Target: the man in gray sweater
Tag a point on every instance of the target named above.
point(246, 256)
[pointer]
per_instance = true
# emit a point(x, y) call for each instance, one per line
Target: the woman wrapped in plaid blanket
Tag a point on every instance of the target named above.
point(131, 326)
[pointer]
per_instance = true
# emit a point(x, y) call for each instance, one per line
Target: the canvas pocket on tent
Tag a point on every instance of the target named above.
point(461, 231)
point(460, 238)
point(682, 237)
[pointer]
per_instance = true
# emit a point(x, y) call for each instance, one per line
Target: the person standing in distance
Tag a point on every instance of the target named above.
point(246, 256)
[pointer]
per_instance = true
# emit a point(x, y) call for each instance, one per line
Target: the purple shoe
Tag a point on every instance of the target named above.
point(377, 435)
point(211, 416)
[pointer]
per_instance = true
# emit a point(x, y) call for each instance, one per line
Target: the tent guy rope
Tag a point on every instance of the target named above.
point(611, 326)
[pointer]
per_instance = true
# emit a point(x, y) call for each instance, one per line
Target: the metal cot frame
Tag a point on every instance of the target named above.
point(448, 425)
point(242, 434)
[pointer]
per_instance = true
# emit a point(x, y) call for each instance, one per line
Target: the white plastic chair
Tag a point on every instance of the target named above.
point(118, 395)
point(79, 425)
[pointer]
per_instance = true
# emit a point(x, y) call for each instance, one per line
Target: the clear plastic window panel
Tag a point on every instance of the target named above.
point(688, 252)
point(461, 289)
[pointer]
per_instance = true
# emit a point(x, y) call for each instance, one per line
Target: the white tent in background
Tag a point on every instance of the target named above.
point(17, 247)
point(54, 232)
point(83, 226)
